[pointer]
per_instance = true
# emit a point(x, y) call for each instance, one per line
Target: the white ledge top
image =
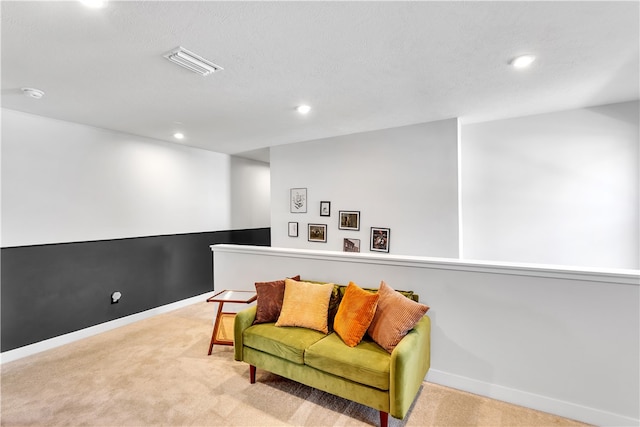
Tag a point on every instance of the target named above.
point(619, 276)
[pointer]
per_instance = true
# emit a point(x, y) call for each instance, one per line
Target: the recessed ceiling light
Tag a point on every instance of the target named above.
point(522, 61)
point(32, 93)
point(94, 4)
point(303, 109)
point(178, 135)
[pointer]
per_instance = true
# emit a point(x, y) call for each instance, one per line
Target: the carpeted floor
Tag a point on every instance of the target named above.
point(156, 372)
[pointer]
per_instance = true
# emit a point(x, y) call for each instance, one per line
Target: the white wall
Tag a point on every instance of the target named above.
point(250, 194)
point(557, 340)
point(559, 188)
point(64, 182)
point(403, 178)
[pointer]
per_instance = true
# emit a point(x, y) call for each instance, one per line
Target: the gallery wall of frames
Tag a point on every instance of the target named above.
point(347, 221)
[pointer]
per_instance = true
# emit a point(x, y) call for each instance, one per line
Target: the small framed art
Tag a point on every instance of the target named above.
point(318, 233)
point(298, 200)
point(325, 208)
point(293, 229)
point(351, 245)
point(380, 239)
point(349, 220)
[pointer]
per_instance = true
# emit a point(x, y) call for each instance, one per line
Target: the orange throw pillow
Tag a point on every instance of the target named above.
point(305, 305)
point(395, 316)
point(355, 313)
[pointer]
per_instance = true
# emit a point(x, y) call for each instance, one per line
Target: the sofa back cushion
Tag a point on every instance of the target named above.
point(409, 294)
point(338, 294)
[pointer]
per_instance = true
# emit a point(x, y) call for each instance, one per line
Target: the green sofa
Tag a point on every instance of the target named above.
point(365, 374)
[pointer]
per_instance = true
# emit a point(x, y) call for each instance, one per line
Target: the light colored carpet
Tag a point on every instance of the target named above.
point(156, 372)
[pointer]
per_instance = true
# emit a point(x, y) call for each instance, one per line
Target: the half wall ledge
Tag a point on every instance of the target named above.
point(617, 276)
point(521, 333)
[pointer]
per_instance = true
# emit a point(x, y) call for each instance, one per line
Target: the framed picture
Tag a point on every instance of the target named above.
point(351, 245)
point(349, 220)
point(318, 233)
point(380, 239)
point(293, 229)
point(325, 208)
point(298, 200)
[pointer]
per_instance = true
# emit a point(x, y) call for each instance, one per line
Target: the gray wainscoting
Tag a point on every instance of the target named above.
point(51, 290)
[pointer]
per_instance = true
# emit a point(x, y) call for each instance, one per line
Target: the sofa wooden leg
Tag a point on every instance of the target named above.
point(384, 419)
point(252, 374)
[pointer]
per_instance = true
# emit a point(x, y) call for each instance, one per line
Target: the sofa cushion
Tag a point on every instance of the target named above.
point(270, 297)
point(409, 294)
point(286, 343)
point(355, 314)
point(305, 305)
point(367, 363)
point(334, 304)
point(395, 316)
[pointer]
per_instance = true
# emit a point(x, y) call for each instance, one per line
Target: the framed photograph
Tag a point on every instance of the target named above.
point(380, 239)
point(298, 200)
point(318, 233)
point(349, 220)
point(325, 208)
point(351, 245)
point(293, 229)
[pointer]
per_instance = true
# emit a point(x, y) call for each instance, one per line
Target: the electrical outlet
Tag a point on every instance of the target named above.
point(115, 297)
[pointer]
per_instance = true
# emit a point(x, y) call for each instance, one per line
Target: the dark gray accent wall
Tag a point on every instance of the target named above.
point(51, 290)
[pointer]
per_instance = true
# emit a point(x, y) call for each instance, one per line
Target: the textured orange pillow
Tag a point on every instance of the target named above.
point(305, 305)
point(354, 314)
point(395, 316)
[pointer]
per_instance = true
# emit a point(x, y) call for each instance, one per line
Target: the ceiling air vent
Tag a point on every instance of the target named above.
point(191, 61)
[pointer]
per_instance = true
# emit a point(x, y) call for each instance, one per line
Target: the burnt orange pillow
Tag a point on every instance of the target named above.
point(355, 313)
point(395, 316)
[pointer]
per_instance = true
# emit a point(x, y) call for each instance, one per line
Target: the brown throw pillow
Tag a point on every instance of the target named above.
point(355, 314)
point(395, 316)
point(305, 305)
point(269, 304)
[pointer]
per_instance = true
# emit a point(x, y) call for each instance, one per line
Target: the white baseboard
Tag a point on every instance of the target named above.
point(530, 400)
point(28, 350)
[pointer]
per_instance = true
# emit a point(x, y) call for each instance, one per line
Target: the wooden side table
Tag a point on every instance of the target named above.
point(223, 327)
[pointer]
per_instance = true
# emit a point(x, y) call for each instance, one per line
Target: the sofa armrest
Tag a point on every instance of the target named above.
point(243, 320)
point(410, 361)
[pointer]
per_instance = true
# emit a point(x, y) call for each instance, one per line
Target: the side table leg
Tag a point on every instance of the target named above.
point(216, 325)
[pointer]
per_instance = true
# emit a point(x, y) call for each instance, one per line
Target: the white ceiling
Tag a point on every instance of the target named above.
point(360, 65)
